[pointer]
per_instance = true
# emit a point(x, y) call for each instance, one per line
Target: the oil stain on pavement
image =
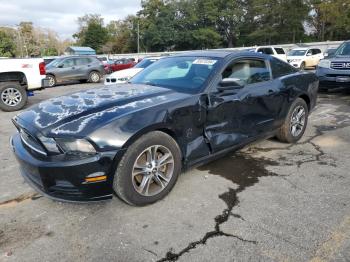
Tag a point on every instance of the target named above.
point(243, 171)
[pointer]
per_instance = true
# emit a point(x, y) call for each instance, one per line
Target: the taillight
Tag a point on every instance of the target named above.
point(42, 68)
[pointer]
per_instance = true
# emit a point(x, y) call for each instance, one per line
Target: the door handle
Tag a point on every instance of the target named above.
point(73, 67)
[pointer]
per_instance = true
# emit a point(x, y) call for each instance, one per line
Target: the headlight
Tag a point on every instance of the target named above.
point(50, 144)
point(76, 145)
point(324, 63)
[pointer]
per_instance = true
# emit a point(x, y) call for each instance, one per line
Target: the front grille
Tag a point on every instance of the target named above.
point(340, 65)
point(29, 141)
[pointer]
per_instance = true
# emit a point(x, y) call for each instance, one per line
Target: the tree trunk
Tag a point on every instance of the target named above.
point(230, 41)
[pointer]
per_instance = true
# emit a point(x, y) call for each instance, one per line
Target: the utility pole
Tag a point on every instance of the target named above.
point(138, 36)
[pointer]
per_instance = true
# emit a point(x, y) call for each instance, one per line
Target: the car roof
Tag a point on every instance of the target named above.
point(77, 56)
point(207, 53)
point(154, 57)
point(220, 53)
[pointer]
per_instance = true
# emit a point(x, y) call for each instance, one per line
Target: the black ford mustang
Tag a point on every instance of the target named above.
point(134, 139)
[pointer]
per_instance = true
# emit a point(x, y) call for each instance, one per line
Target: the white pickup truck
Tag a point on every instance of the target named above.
point(18, 78)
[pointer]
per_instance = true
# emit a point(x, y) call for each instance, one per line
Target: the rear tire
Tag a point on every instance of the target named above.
point(94, 77)
point(13, 96)
point(141, 179)
point(295, 123)
point(52, 80)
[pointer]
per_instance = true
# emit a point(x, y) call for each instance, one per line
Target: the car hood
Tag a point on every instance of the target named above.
point(295, 57)
point(80, 113)
point(339, 58)
point(125, 73)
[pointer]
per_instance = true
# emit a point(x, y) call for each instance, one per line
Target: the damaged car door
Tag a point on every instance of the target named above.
point(240, 104)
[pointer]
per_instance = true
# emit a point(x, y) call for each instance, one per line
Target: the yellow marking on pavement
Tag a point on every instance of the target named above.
point(327, 250)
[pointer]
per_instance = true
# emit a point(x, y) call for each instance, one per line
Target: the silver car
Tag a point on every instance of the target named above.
point(82, 68)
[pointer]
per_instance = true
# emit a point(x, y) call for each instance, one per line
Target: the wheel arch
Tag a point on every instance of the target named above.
point(162, 127)
point(15, 76)
point(307, 100)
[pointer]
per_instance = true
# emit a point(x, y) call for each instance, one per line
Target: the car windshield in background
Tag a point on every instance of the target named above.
point(343, 49)
point(297, 53)
point(145, 63)
point(183, 74)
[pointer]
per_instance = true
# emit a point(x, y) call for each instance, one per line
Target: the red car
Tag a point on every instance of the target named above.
point(121, 64)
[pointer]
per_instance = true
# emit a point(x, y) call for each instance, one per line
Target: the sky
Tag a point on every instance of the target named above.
point(61, 16)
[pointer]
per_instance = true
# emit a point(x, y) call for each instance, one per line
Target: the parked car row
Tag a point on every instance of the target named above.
point(18, 78)
point(123, 76)
point(301, 57)
point(334, 71)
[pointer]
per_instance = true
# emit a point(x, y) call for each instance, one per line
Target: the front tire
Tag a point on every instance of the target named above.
point(148, 170)
point(94, 77)
point(13, 96)
point(295, 123)
point(302, 66)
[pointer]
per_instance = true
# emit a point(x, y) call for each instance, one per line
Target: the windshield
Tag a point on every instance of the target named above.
point(145, 62)
point(183, 74)
point(297, 53)
point(343, 49)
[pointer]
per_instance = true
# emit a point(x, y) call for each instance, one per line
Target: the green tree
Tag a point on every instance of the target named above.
point(330, 19)
point(95, 36)
point(91, 32)
point(7, 44)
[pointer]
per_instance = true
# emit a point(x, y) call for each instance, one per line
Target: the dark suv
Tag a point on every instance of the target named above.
point(334, 71)
point(82, 68)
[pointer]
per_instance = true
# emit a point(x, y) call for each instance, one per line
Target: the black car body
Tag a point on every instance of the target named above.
point(334, 71)
point(205, 122)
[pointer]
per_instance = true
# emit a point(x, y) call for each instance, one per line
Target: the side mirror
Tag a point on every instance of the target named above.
point(60, 66)
point(230, 84)
point(308, 54)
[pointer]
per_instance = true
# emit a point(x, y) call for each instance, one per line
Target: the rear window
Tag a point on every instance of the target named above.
point(280, 68)
point(267, 51)
point(279, 51)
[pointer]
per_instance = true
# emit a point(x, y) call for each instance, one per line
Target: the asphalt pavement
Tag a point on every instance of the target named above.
point(268, 202)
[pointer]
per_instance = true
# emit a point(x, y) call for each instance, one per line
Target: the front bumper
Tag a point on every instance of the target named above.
point(332, 78)
point(63, 178)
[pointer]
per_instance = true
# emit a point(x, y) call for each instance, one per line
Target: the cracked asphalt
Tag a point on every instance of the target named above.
point(268, 202)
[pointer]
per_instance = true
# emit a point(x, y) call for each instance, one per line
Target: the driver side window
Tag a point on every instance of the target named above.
point(247, 71)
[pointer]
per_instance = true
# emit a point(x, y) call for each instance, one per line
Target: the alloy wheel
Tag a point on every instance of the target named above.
point(52, 81)
point(11, 96)
point(94, 77)
point(153, 170)
point(297, 122)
